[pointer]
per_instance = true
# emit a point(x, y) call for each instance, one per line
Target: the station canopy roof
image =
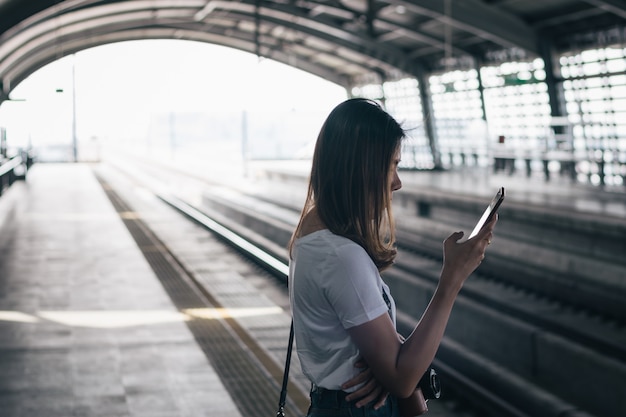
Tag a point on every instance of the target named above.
point(344, 41)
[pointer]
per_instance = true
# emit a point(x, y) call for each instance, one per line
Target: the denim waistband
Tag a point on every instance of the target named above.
point(327, 403)
point(328, 397)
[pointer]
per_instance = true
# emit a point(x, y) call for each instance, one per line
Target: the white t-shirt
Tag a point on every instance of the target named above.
point(333, 285)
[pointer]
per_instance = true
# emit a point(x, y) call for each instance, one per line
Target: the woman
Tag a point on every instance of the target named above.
point(344, 316)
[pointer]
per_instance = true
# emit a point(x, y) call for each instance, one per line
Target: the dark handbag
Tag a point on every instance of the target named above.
point(429, 387)
point(415, 405)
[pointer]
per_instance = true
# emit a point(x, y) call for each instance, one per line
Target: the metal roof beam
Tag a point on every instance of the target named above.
point(392, 29)
point(617, 7)
point(322, 28)
point(84, 28)
point(476, 17)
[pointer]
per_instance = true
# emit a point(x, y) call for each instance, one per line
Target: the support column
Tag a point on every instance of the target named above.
point(553, 80)
point(481, 88)
point(428, 116)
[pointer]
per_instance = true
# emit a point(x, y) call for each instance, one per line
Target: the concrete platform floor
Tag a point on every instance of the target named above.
point(85, 327)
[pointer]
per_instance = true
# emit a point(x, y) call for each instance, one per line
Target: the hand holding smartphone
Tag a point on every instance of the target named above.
point(489, 212)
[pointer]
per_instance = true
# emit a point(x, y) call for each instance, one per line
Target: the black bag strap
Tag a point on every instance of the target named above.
point(283, 392)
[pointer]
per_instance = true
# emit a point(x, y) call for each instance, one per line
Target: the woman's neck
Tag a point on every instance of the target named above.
point(311, 223)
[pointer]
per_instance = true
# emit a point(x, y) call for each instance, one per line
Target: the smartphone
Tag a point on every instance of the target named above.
point(489, 212)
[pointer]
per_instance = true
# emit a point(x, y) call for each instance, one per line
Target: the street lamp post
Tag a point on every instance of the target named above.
point(60, 90)
point(74, 139)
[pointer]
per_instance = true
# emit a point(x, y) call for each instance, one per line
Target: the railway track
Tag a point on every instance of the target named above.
point(484, 359)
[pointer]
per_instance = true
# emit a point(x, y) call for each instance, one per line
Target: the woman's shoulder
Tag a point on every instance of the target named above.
point(334, 256)
point(330, 244)
point(328, 239)
point(340, 248)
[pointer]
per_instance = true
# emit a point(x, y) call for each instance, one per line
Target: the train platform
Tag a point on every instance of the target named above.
point(86, 327)
point(91, 328)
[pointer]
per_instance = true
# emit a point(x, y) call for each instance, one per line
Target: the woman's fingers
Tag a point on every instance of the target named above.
point(374, 392)
point(381, 400)
point(364, 392)
point(461, 258)
point(359, 379)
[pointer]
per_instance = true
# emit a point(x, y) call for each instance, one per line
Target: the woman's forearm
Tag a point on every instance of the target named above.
point(419, 349)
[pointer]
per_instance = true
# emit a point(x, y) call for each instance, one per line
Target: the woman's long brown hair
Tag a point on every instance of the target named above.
point(350, 177)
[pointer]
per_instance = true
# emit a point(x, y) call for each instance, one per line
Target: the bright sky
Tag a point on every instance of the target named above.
point(119, 86)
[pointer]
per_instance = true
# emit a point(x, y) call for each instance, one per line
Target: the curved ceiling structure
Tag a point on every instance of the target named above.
point(343, 41)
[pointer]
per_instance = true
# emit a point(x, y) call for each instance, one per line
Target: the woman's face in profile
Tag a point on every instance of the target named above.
point(394, 178)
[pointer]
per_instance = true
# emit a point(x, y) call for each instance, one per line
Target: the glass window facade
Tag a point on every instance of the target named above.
point(595, 92)
point(401, 99)
point(460, 126)
point(514, 117)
